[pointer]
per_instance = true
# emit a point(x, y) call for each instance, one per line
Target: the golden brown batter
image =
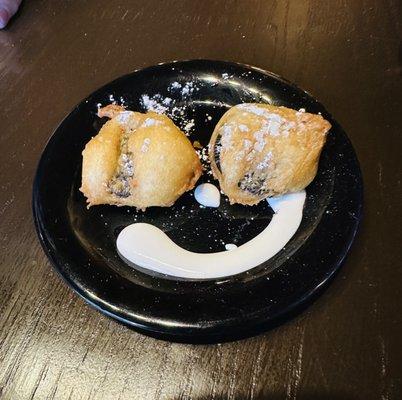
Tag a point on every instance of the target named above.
point(258, 151)
point(139, 160)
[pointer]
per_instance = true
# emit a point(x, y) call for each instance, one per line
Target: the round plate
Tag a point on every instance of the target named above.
point(81, 242)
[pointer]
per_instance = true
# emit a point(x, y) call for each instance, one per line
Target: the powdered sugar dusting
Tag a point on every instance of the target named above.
point(187, 128)
point(247, 144)
point(167, 101)
point(151, 122)
point(226, 136)
point(240, 155)
point(188, 89)
point(174, 85)
point(273, 124)
point(260, 142)
point(111, 100)
point(124, 117)
point(153, 103)
point(265, 162)
point(251, 108)
point(203, 156)
point(145, 145)
point(174, 108)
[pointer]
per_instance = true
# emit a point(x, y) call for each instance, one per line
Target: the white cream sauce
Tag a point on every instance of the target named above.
point(147, 246)
point(207, 195)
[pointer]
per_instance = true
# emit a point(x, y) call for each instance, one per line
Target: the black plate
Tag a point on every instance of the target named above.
point(81, 243)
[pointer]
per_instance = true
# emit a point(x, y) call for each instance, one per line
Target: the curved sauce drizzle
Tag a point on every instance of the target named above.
point(146, 246)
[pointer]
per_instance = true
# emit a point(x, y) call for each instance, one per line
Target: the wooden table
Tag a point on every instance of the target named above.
point(348, 344)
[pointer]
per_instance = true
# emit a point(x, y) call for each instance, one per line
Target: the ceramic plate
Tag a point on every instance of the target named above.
point(81, 243)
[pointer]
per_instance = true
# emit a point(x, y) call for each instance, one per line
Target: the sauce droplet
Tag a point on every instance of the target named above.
point(207, 195)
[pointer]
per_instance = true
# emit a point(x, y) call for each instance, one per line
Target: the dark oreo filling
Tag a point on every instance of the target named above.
point(119, 185)
point(253, 183)
point(217, 153)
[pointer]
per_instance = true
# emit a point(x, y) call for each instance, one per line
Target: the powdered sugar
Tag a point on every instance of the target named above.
point(260, 140)
point(187, 128)
point(145, 145)
point(188, 89)
point(251, 108)
point(167, 101)
point(265, 162)
point(126, 165)
point(151, 122)
point(185, 89)
point(153, 103)
point(112, 100)
point(174, 85)
point(273, 124)
point(124, 117)
point(203, 156)
point(247, 144)
point(172, 107)
point(226, 136)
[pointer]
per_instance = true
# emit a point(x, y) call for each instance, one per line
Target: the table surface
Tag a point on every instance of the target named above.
point(347, 345)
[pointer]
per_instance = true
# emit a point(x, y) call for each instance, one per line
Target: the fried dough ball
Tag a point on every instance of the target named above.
point(259, 151)
point(138, 160)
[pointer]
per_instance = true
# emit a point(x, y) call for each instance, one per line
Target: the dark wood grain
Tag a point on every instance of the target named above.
point(348, 344)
